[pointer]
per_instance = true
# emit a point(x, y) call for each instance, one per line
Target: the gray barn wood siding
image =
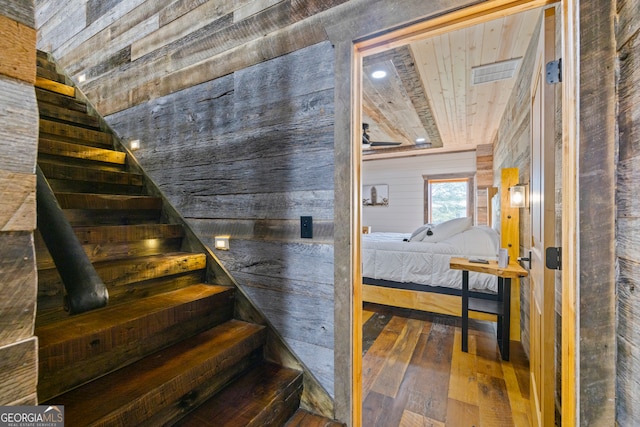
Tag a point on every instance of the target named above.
point(628, 215)
point(253, 151)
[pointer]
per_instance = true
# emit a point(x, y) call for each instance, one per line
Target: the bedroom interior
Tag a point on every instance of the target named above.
point(404, 101)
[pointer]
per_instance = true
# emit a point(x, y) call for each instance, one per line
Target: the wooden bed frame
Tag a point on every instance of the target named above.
point(449, 301)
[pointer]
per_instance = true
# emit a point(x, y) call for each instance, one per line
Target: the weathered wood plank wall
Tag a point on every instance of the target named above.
point(597, 183)
point(628, 215)
point(246, 155)
point(18, 146)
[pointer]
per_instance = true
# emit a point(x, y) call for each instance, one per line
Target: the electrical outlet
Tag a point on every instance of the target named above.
point(306, 227)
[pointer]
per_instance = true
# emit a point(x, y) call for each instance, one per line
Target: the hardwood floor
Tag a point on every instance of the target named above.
point(415, 374)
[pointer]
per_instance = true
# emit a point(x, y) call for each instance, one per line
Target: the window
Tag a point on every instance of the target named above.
point(448, 197)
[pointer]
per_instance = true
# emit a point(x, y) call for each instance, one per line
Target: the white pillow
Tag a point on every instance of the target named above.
point(420, 233)
point(447, 229)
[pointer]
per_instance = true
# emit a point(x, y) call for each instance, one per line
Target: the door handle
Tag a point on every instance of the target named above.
point(523, 259)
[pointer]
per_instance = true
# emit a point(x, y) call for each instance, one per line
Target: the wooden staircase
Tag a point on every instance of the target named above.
point(166, 350)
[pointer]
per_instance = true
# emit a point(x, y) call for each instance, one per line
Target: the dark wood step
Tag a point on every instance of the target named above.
point(49, 74)
point(129, 278)
point(61, 100)
point(68, 151)
point(268, 395)
point(111, 250)
point(43, 62)
point(304, 418)
point(87, 217)
point(63, 115)
point(162, 387)
point(61, 171)
point(65, 132)
point(86, 346)
point(134, 269)
point(128, 233)
point(50, 298)
point(108, 201)
point(53, 86)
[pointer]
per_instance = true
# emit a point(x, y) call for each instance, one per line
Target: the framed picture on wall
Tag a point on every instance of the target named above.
point(375, 195)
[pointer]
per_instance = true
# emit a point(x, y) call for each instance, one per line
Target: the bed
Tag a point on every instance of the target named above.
point(412, 270)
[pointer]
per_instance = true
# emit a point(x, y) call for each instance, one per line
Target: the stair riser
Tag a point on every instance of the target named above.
point(84, 217)
point(98, 252)
point(73, 173)
point(60, 100)
point(48, 73)
point(76, 118)
point(95, 355)
point(63, 185)
point(50, 299)
point(128, 233)
point(107, 202)
point(118, 274)
point(78, 162)
point(279, 411)
point(69, 152)
point(60, 131)
point(193, 397)
point(43, 62)
point(268, 395)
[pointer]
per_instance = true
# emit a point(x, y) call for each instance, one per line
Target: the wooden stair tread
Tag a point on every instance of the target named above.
point(53, 86)
point(163, 382)
point(107, 201)
point(55, 130)
point(262, 397)
point(58, 170)
point(78, 151)
point(98, 321)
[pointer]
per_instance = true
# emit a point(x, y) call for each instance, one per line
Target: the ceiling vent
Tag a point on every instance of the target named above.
point(494, 72)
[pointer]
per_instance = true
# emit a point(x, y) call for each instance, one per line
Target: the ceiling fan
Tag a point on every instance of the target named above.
point(367, 143)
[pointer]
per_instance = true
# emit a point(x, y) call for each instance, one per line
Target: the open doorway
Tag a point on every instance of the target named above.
point(411, 141)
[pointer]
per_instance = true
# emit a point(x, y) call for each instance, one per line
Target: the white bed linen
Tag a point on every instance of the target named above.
point(386, 256)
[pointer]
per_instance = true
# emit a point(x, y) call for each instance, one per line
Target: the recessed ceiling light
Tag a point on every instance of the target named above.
point(420, 140)
point(379, 74)
point(82, 78)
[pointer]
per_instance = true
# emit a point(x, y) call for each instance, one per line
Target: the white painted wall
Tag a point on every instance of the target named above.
point(404, 176)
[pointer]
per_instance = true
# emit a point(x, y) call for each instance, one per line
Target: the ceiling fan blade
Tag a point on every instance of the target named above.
point(383, 143)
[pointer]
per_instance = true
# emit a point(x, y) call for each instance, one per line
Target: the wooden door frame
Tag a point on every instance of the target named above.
point(468, 16)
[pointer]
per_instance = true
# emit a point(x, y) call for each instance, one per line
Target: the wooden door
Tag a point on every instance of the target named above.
point(542, 203)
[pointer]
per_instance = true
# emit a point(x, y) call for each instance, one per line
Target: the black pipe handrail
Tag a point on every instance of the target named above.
point(85, 289)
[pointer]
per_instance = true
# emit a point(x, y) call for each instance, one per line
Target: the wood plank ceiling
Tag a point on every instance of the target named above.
point(428, 91)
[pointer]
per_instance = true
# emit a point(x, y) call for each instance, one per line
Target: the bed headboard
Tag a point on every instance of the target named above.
point(509, 217)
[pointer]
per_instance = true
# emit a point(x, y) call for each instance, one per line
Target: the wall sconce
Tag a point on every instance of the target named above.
point(518, 196)
point(134, 144)
point(221, 242)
